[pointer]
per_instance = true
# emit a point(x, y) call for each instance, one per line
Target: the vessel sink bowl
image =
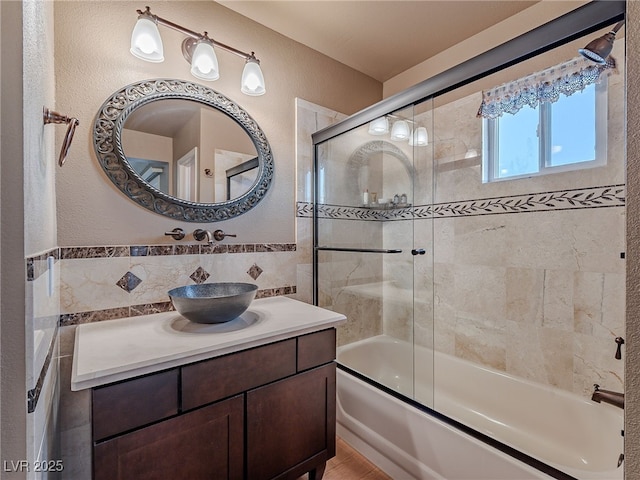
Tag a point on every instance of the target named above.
point(213, 302)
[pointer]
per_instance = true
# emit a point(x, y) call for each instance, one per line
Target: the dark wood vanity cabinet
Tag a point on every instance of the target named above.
point(263, 413)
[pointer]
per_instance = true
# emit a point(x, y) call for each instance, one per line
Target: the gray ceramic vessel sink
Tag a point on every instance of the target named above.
point(213, 302)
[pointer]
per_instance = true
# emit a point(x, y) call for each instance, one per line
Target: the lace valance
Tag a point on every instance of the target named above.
point(545, 86)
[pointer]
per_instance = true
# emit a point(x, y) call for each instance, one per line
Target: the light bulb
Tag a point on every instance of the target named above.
point(379, 126)
point(204, 63)
point(400, 130)
point(420, 137)
point(146, 42)
point(252, 82)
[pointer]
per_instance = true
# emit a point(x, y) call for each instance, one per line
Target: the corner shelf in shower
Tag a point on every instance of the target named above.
point(387, 206)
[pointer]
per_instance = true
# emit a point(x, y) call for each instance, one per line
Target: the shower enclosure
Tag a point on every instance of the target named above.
point(447, 251)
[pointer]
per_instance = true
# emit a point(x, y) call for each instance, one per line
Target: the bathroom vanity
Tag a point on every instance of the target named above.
point(253, 399)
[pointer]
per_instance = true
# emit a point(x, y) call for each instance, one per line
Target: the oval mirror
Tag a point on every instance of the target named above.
point(183, 150)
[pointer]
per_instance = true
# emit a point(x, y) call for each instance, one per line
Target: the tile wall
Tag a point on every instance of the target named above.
point(525, 276)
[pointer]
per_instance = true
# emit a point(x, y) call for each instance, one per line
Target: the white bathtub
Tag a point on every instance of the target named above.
point(572, 434)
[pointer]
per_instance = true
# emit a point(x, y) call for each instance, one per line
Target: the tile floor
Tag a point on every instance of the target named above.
point(350, 465)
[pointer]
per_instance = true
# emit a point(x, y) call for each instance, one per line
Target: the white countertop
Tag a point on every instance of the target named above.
point(114, 350)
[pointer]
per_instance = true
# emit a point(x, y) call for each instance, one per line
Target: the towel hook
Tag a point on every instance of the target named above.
point(54, 117)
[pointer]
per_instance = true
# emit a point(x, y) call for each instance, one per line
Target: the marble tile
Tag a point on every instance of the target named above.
point(587, 301)
point(480, 293)
point(91, 284)
point(364, 318)
point(594, 362)
point(67, 336)
point(525, 295)
point(76, 452)
point(542, 355)
point(444, 309)
point(304, 282)
point(480, 343)
point(613, 303)
point(75, 407)
point(159, 274)
point(558, 300)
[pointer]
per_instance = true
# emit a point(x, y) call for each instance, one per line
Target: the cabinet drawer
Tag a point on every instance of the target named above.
point(316, 349)
point(127, 405)
point(212, 380)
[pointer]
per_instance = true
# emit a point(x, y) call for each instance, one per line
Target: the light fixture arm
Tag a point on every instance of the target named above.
point(195, 35)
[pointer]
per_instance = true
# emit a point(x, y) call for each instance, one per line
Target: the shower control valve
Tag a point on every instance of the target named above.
point(620, 342)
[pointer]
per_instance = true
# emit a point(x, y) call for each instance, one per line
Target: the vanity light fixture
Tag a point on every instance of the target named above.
point(204, 63)
point(379, 126)
point(400, 130)
point(419, 137)
point(198, 50)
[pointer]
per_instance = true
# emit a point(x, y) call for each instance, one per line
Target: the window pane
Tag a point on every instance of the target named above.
point(573, 128)
point(518, 143)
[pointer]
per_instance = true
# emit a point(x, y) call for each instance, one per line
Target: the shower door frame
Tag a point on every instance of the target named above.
point(580, 22)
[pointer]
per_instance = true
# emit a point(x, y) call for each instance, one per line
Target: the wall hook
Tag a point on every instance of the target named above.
point(55, 117)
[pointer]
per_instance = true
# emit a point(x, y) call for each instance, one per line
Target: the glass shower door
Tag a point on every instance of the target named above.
point(423, 254)
point(363, 244)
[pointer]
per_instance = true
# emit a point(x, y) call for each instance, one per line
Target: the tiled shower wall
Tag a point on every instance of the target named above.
point(527, 276)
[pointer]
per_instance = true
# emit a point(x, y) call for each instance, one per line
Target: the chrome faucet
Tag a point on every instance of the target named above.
point(200, 234)
point(607, 396)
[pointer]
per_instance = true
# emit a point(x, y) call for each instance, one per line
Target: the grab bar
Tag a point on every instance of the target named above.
point(360, 250)
point(54, 117)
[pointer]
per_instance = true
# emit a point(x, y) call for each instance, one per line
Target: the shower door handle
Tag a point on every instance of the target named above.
point(418, 251)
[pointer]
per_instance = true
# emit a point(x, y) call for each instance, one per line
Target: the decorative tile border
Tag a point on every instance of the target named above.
point(38, 264)
point(168, 250)
point(33, 395)
point(69, 319)
point(592, 197)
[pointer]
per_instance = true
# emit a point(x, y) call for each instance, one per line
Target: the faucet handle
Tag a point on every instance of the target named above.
point(620, 342)
point(219, 235)
point(176, 233)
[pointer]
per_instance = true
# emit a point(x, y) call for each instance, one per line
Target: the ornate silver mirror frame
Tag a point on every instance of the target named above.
point(107, 140)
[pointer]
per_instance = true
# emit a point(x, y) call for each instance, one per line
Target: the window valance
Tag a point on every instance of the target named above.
point(544, 86)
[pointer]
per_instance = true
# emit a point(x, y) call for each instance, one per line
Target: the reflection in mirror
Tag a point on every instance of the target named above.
point(197, 144)
point(183, 150)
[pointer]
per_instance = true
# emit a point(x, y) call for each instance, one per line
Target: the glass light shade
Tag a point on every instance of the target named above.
point(379, 126)
point(146, 42)
point(420, 137)
point(400, 130)
point(252, 82)
point(204, 63)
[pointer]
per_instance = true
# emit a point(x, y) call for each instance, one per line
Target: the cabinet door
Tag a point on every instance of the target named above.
point(291, 424)
point(204, 444)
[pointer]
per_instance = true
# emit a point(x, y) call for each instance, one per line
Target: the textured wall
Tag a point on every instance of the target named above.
point(632, 363)
point(12, 306)
point(92, 49)
point(518, 24)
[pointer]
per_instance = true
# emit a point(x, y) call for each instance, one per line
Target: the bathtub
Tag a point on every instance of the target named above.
point(551, 427)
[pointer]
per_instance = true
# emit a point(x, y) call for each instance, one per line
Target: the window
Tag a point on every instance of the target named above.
point(523, 137)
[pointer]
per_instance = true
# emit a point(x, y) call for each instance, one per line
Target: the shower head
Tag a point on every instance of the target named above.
point(599, 49)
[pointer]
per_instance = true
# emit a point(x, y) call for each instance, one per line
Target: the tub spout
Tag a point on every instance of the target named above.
point(200, 235)
point(607, 396)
